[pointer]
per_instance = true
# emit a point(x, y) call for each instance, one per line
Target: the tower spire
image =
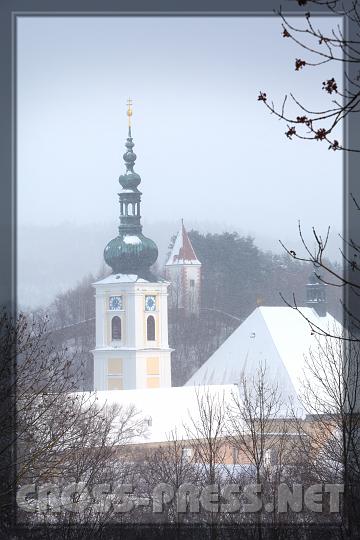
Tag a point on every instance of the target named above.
point(130, 252)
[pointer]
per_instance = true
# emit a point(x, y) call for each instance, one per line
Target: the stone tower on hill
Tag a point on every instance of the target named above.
point(183, 270)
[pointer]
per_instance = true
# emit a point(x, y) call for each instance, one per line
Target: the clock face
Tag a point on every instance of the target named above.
point(150, 303)
point(115, 302)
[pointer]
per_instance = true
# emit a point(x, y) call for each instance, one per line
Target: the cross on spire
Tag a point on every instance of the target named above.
point(129, 110)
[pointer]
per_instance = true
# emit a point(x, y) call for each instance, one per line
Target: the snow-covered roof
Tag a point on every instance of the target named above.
point(167, 409)
point(120, 278)
point(131, 239)
point(277, 337)
point(182, 251)
point(126, 278)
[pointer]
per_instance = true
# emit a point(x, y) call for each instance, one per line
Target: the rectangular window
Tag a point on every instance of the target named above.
point(152, 366)
point(115, 366)
point(186, 453)
point(115, 383)
point(153, 382)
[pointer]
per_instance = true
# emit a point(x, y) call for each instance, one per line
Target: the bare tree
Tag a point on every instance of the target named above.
point(87, 465)
point(331, 441)
point(257, 428)
point(326, 48)
point(322, 48)
point(206, 435)
point(172, 463)
point(253, 423)
point(57, 435)
point(206, 430)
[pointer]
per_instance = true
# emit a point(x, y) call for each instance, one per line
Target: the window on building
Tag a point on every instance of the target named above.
point(115, 374)
point(150, 328)
point(270, 457)
point(192, 282)
point(186, 454)
point(153, 372)
point(115, 366)
point(116, 328)
point(153, 382)
point(152, 366)
point(115, 384)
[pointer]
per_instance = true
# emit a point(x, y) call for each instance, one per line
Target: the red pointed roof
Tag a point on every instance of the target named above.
point(182, 251)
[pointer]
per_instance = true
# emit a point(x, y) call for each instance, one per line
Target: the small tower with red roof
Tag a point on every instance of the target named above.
point(183, 270)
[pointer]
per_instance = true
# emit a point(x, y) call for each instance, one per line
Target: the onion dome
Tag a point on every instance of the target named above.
point(130, 252)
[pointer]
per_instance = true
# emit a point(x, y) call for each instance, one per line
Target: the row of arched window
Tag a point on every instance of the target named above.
point(116, 328)
point(130, 208)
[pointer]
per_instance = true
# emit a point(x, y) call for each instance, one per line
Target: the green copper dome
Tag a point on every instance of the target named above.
point(130, 252)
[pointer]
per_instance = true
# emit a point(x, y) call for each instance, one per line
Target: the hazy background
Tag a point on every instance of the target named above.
point(208, 151)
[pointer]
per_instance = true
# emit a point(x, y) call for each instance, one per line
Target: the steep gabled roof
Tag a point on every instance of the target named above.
point(276, 336)
point(182, 251)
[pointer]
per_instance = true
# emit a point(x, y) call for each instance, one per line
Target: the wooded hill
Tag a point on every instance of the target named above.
point(236, 278)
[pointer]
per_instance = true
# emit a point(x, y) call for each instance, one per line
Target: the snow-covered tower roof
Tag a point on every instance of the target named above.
point(182, 251)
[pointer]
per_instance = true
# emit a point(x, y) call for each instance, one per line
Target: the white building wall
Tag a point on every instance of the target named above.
point(133, 348)
point(182, 294)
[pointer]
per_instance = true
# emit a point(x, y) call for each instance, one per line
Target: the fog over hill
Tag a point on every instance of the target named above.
point(52, 259)
point(207, 149)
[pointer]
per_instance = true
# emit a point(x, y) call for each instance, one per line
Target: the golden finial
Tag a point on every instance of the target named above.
point(129, 111)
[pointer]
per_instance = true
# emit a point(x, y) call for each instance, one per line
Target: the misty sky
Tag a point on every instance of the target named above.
point(207, 150)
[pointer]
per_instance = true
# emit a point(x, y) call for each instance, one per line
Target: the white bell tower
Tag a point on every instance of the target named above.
point(132, 349)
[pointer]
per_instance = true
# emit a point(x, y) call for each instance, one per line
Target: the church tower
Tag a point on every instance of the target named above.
point(183, 270)
point(132, 349)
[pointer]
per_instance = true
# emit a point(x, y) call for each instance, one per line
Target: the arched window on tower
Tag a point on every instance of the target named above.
point(115, 328)
point(150, 328)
